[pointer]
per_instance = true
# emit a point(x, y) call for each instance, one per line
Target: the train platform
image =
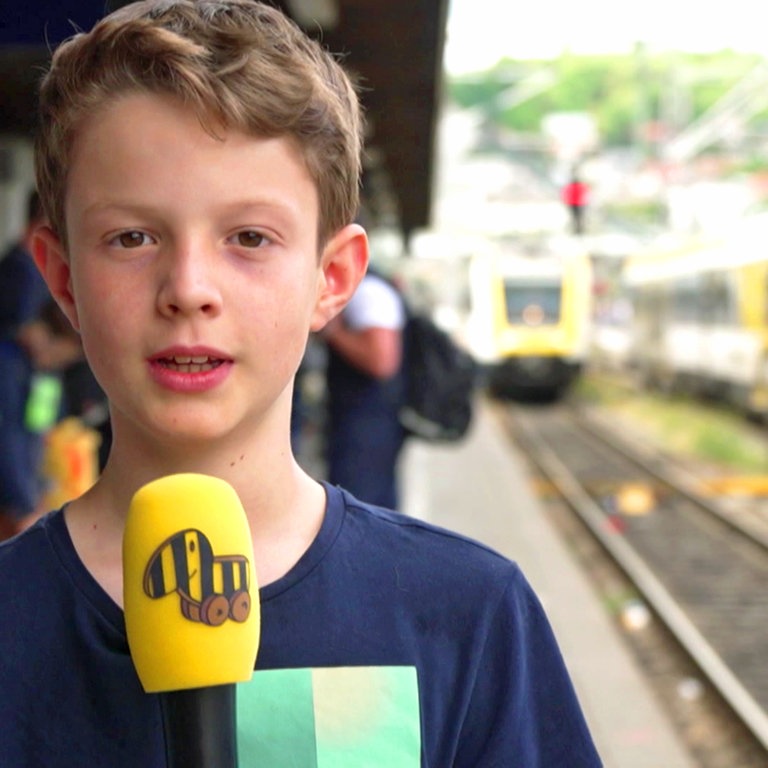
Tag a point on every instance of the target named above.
point(480, 488)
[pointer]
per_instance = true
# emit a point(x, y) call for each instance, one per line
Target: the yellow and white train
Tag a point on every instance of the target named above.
point(700, 316)
point(531, 312)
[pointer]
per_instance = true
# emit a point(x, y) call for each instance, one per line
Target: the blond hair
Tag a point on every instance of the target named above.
point(240, 64)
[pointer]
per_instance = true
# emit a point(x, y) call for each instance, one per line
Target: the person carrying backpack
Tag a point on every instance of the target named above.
point(365, 383)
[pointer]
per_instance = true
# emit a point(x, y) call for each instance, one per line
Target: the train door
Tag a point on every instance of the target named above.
point(650, 318)
point(728, 345)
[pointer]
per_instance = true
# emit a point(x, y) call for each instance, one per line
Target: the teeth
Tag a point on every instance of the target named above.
point(185, 360)
point(191, 364)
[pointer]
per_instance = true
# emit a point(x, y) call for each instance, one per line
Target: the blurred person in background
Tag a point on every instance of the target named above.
point(575, 195)
point(23, 292)
point(69, 463)
point(365, 387)
point(28, 402)
point(84, 399)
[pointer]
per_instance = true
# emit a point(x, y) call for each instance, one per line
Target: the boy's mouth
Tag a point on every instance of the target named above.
point(190, 364)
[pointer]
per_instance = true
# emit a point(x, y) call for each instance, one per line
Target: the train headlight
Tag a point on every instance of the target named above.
point(533, 315)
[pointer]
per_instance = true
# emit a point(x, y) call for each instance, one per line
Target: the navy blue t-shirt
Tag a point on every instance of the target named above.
point(376, 592)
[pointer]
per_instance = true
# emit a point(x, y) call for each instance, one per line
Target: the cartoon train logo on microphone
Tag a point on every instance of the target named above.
point(212, 588)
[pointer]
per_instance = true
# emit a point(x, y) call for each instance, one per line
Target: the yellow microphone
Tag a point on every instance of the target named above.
point(192, 612)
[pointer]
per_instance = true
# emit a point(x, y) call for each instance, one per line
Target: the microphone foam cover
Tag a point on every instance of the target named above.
point(189, 587)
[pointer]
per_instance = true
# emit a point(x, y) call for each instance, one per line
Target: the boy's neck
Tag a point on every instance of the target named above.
point(284, 507)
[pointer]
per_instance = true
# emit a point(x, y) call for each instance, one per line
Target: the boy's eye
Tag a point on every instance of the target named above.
point(249, 238)
point(131, 239)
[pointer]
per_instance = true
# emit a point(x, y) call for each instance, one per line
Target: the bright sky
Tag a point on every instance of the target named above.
point(480, 32)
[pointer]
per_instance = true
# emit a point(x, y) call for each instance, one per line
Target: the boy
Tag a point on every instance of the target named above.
point(199, 164)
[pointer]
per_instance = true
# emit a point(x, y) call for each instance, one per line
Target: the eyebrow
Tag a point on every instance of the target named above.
point(267, 202)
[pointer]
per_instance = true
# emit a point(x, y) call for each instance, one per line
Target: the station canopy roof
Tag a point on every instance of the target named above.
point(394, 47)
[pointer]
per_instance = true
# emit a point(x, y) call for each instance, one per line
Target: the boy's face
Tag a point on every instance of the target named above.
point(192, 269)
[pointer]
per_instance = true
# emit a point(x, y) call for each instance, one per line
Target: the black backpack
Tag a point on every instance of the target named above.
point(439, 377)
point(439, 382)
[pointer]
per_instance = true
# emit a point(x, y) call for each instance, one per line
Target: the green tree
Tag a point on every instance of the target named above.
point(623, 93)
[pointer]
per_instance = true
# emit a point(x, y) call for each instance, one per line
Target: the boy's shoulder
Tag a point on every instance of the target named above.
point(21, 546)
point(30, 562)
point(401, 524)
point(436, 556)
point(35, 589)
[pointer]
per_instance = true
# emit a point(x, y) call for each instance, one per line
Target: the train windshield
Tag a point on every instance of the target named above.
point(533, 301)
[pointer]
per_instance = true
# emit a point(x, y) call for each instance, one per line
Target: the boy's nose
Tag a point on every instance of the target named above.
point(188, 285)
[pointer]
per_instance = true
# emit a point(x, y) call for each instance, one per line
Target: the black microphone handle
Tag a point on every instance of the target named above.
point(200, 727)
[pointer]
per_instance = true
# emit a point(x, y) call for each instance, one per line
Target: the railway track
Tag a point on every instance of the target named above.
point(700, 568)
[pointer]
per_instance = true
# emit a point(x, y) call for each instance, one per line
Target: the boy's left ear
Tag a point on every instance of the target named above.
point(342, 266)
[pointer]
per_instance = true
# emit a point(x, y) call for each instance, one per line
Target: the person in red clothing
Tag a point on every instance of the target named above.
point(576, 196)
